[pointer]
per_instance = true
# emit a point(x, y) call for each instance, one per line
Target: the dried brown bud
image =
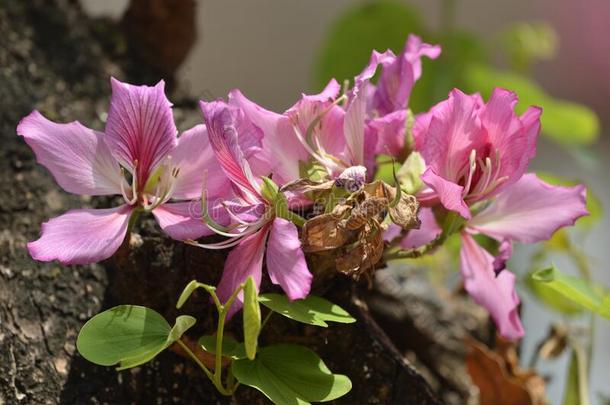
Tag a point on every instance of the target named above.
point(368, 209)
point(323, 233)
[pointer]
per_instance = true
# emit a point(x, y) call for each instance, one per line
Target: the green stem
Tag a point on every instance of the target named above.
point(452, 224)
point(207, 372)
point(212, 291)
point(583, 375)
point(292, 217)
point(223, 310)
point(415, 252)
point(266, 319)
point(219, 336)
point(133, 219)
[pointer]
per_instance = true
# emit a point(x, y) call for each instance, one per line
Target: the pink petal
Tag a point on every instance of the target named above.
point(453, 131)
point(531, 211)
point(427, 232)
point(392, 232)
point(420, 128)
point(505, 251)
point(140, 126)
point(530, 120)
point(183, 220)
point(391, 133)
point(505, 133)
point(82, 236)
point(245, 260)
point(280, 145)
point(77, 156)
point(400, 74)
point(353, 126)
point(415, 49)
point(221, 121)
point(329, 130)
point(495, 293)
point(449, 194)
point(286, 261)
point(376, 59)
point(194, 156)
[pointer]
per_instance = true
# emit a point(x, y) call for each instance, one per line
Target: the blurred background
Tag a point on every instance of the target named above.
point(553, 53)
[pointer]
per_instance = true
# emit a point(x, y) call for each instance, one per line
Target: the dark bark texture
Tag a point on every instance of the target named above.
point(55, 59)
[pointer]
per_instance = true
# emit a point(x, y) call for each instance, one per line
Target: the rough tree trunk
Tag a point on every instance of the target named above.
point(55, 59)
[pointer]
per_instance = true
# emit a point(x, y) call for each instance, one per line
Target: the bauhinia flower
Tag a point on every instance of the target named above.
point(262, 222)
point(387, 102)
point(140, 143)
point(343, 131)
point(474, 150)
point(529, 211)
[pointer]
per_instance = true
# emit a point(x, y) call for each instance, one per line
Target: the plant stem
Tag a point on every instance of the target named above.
point(266, 319)
point(207, 372)
point(132, 220)
point(415, 252)
point(219, 336)
point(295, 218)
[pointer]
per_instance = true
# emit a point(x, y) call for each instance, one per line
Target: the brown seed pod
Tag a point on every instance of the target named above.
point(323, 233)
point(368, 209)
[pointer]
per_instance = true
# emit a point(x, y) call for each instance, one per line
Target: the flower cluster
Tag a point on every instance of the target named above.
point(250, 170)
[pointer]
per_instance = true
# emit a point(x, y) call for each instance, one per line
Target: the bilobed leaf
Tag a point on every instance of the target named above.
point(563, 121)
point(311, 310)
point(551, 298)
point(189, 289)
point(291, 375)
point(183, 323)
point(126, 333)
point(230, 347)
point(590, 296)
point(252, 318)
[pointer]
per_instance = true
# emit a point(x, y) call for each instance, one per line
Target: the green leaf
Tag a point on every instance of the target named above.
point(252, 318)
point(183, 323)
point(563, 121)
point(291, 375)
point(128, 334)
point(189, 289)
point(269, 189)
point(311, 310)
point(410, 173)
point(230, 347)
point(375, 25)
point(573, 288)
point(551, 298)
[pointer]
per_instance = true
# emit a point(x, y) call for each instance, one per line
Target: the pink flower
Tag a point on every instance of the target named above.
point(338, 133)
point(386, 103)
point(140, 138)
point(528, 211)
point(259, 227)
point(474, 150)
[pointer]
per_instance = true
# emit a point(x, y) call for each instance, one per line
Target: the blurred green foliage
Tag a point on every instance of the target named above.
point(527, 43)
point(348, 45)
